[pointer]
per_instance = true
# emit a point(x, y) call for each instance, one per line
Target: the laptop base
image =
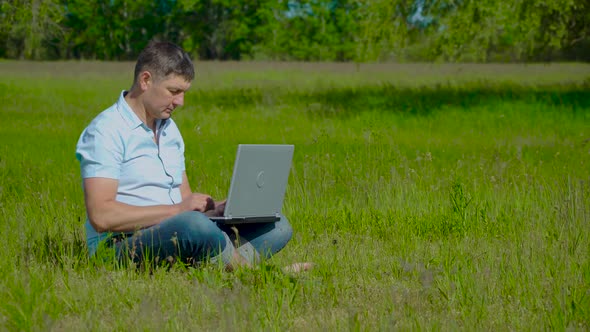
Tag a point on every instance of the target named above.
point(244, 220)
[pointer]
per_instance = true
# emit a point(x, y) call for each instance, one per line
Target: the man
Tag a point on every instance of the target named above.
point(138, 198)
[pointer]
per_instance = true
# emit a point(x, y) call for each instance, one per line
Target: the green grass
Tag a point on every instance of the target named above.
point(430, 197)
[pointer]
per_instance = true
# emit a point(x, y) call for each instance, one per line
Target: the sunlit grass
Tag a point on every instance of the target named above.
point(430, 197)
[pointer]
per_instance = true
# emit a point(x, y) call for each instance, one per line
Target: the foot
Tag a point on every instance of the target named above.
point(298, 267)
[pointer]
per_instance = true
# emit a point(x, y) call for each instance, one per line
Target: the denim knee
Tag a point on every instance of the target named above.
point(269, 239)
point(195, 227)
point(283, 230)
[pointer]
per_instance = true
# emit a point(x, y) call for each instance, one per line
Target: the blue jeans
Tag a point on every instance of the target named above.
point(192, 237)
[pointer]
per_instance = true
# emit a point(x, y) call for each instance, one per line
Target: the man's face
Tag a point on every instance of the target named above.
point(163, 95)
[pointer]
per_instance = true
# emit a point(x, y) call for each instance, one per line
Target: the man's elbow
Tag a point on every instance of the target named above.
point(99, 224)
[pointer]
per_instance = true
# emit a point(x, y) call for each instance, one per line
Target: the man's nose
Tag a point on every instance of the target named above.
point(178, 99)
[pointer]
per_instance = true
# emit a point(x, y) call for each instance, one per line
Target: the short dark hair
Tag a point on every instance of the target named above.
point(162, 59)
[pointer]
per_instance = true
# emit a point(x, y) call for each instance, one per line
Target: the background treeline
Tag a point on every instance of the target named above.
point(309, 30)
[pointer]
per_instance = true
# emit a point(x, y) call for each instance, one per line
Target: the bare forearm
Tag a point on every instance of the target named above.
point(106, 214)
point(115, 216)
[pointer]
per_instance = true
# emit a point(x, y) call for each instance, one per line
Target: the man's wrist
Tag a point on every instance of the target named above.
point(176, 209)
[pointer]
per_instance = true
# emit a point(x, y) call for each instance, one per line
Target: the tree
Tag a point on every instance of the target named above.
point(29, 26)
point(475, 30)
point(220, 29)
point(308, 30)
point(117, 29)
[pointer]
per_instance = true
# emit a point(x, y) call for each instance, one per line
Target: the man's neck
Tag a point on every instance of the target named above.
point(133, 99)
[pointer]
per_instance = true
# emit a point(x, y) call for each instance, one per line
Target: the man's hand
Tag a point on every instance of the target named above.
point(217, 211)
point(220, 208)
point(197, 202)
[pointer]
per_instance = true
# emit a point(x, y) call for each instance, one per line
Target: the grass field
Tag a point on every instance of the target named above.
point(445, 197)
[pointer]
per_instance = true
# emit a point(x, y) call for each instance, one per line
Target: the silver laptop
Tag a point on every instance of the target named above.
point(258, 184)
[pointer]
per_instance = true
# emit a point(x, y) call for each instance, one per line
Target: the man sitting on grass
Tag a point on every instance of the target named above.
point(137, 195)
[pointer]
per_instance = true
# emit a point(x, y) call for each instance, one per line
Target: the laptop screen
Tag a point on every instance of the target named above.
point(259, 180)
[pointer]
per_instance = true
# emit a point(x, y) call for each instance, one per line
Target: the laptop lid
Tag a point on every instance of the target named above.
point(259, 180)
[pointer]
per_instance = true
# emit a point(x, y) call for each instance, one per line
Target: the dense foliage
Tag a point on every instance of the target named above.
point(310, 30)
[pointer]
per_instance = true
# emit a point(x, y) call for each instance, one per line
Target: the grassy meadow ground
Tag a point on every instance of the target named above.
point(445, 197)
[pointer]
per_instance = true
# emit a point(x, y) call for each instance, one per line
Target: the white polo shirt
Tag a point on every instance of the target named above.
point(118, 145)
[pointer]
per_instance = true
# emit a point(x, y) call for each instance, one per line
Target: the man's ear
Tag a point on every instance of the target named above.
point(145, 80)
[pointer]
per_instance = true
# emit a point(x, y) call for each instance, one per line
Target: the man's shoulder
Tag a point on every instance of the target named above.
point(101, 131)
point(109, 120)
point(172, 128)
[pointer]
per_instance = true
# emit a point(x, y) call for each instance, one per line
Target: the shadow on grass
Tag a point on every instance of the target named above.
point(421, 100)
point(58, 251)
point(73, 253)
